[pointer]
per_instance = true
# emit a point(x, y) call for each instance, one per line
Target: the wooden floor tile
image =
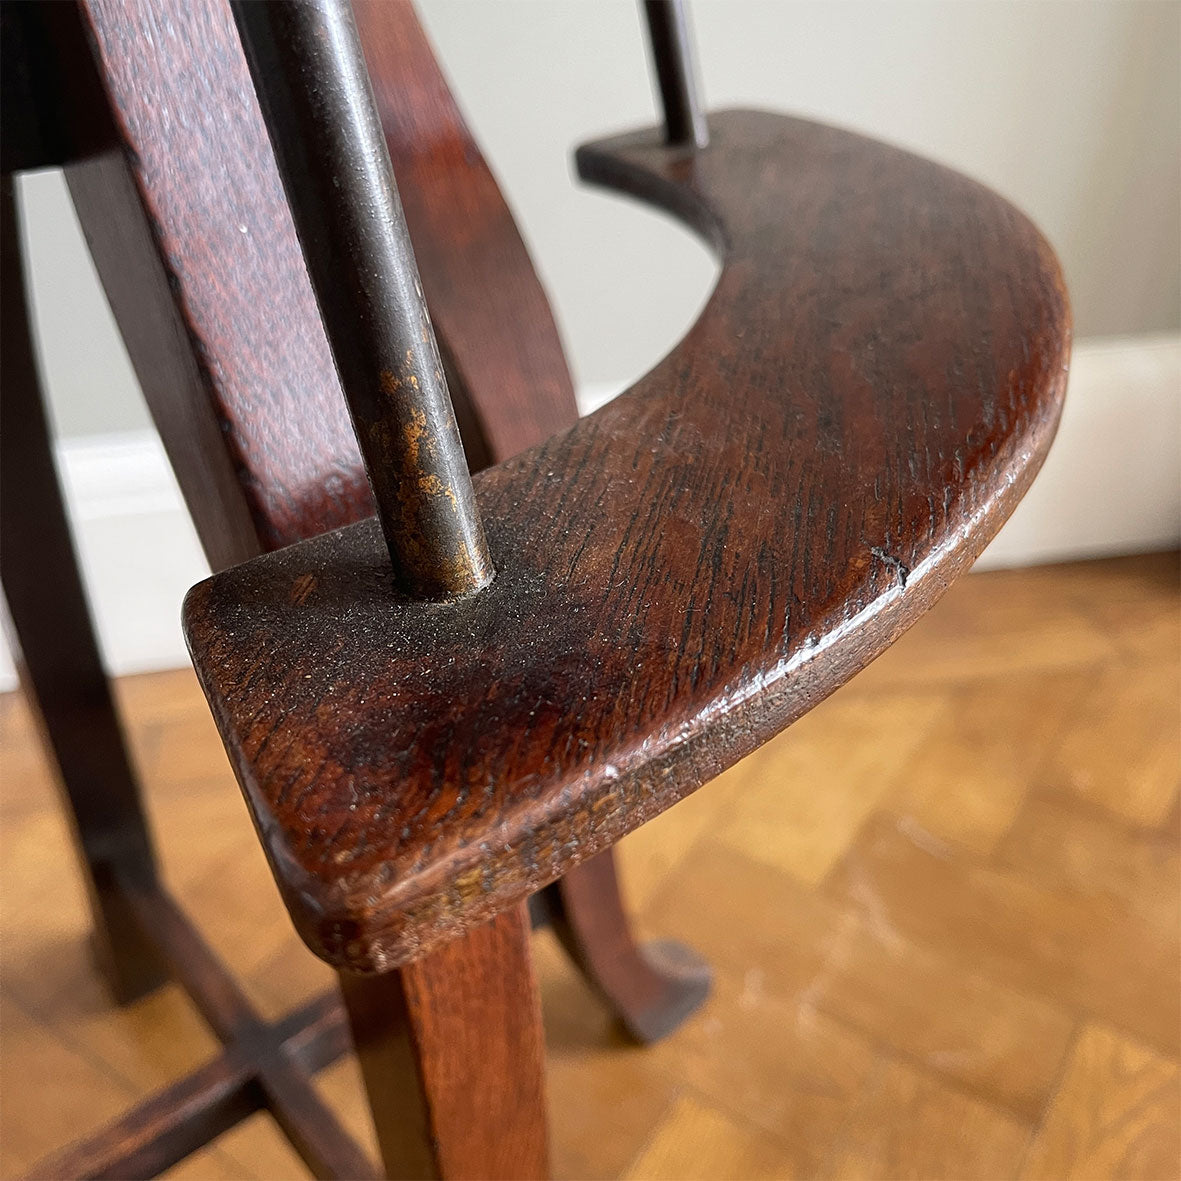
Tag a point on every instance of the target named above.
point(54, 1091)
point(820, 779)
point(1123, 750)
point(1059, 943)
point(1067, 845)
point(28, 779)
point(695, 1142)
point(912, 1126)
point(1135, 601)
point(991, 744)
point(605, 1094)
point(647, 856)
point(1115, 1115)
point(774, 1062)
point(257, 1151)
point(801, 950)
point(991, 626)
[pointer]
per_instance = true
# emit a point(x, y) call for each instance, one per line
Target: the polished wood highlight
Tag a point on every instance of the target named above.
point(256, 429)
point(866, 396)
point(835, 1041)
point(144, 106)
point(211, 291)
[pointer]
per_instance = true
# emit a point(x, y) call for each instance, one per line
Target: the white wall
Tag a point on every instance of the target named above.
point(1071, 109)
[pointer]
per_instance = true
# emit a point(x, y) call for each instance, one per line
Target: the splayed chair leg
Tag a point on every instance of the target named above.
point(61, 668)
point(651, 988)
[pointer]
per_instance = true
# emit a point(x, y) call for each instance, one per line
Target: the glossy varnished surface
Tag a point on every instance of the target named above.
point(869, 391)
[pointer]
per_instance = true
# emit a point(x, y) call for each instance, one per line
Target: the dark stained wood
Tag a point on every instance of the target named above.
point(198, 1108)
point(506, 368)
point(451, 1048)
point(314, 1131)
point(215, 993)
point(866, 396)
point(314, 89)
point(190, 230)
point(216, 310)
point(52, 111)
point(193, 311)
point(32, 133)
point(207, 316)
point(61, 668)
point(165, 1128)
point(652, 988)
point(212, 296)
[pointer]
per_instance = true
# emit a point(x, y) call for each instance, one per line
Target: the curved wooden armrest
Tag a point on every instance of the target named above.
point(870, 390)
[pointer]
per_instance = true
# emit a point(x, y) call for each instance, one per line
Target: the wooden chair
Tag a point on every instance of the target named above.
point(423, 746)
point(227, 342)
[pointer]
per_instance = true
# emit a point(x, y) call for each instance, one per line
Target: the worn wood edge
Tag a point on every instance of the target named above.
point(360, 926)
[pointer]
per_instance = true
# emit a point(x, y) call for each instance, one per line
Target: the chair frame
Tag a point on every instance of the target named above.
point(867, 395)
point(72, 84)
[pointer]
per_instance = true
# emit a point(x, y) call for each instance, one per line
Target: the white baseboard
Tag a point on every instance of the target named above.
point(1112, 484)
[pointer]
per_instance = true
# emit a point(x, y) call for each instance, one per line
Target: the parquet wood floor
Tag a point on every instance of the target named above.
point(942, 910)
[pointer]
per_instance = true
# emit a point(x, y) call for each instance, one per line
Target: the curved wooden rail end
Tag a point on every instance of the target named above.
point(871, 388)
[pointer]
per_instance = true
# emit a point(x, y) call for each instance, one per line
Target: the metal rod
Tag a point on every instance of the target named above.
point(676, 73)
point(315, 94)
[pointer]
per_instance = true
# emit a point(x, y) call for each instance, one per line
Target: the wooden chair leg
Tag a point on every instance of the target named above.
point(62, 670)
point(451, 1051)
point(651, 988)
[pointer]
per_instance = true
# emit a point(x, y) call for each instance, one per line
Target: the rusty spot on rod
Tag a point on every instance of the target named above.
point(315, 94)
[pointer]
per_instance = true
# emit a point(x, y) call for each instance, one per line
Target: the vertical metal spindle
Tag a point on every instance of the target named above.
point(315, 94)
point(676, 73)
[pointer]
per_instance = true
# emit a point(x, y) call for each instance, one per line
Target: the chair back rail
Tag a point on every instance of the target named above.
point(190, 230)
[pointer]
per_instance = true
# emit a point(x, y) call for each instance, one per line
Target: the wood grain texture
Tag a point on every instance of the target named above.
point(909, 1125)
point(1115, 1114)
point(179, 1119)
point(1043, 938)
point(810, 999)
point(186, 217)
point(451, 1049)
point(180, 200)
point(313, 86)
point(869, 391)
point(697, 1143)
point(226, 338)
point(511, 388)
